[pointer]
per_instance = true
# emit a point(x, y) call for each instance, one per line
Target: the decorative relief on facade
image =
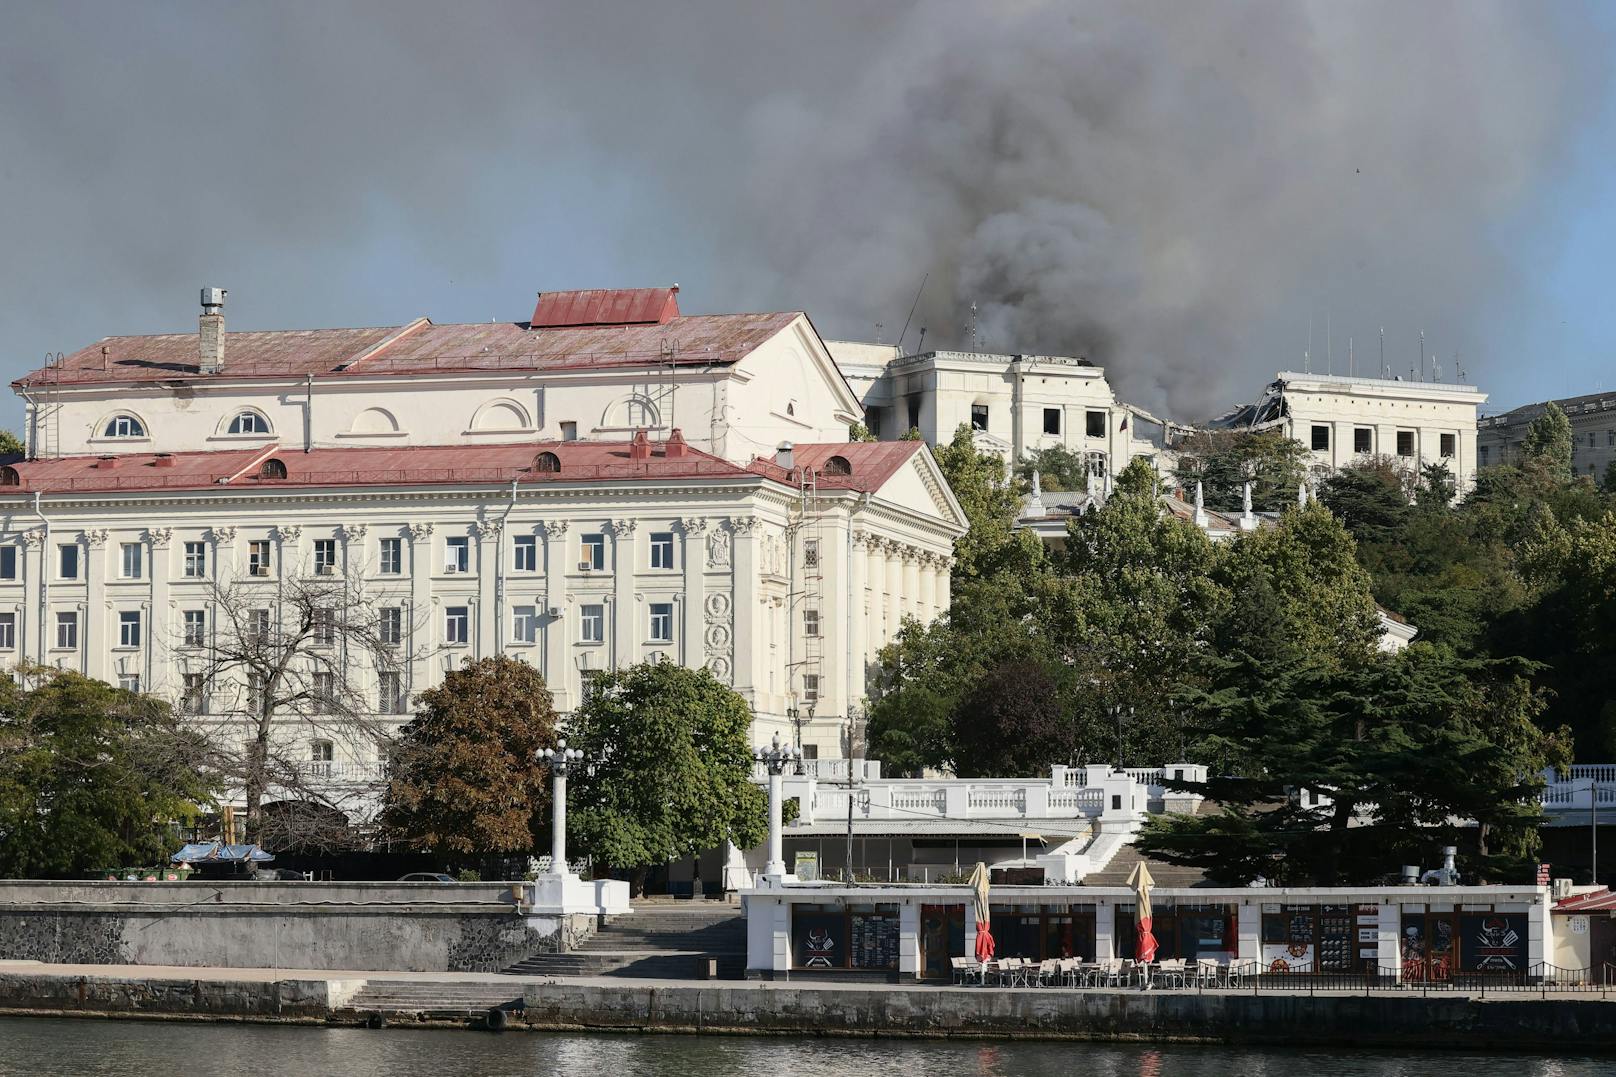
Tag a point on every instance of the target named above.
point(223, 536)
point(718, 549)
point(289, 535)
point(743, 525)
point(718, 636)
point(487, 529)
point(419, 532)
point(157, 536)
point(355, 532)
point(34, 539)
point(693, 525)
point(554, 529)
point(96, 538)
point(772, 555)
point(621, 528)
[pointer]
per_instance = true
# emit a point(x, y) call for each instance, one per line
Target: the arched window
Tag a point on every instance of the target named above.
point(547, 463)
point(249, 422)
point(272, 469)
point(124, 426)
point(9, 476)
point(838, 465)
point(1097, 463)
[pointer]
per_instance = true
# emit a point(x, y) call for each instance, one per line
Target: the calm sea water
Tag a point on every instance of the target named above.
point(88, 1048)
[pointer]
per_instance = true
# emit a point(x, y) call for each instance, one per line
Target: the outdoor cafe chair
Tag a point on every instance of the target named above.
point(1170, 972)
point(1049, 972)
point(1109, 973)
point(1207, 972)
point(965, 970)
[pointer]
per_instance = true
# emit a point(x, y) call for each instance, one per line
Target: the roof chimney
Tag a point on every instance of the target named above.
point(677, 448)
point(786, 455)
point(640, 447)
point(210, 336)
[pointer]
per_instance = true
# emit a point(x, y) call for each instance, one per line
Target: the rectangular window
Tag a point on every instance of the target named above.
point(527, 553)
point(1591, 436)
point(593, 553)
point(323, 625)
point(1094, 424)
point(392, 557)
point(810, 623)
point(67, 630)
point(325, 557)
point(321, 754)
point(1321, 438)
point(810, 688)
point(1483, 453)
point(872, 421)
point(661, 622)
point(8, 631)
point(1610, 439)
point(457, 554)
point(258, 557)
point(390, 625)
point(130, 560)
point(324, 691)
point(592, 624)
point(255, 692)
point(810, 553)
point(914, 412)
point(456, 624)
point(129, 628)
point(1449, 445)
point(129, 682)
point(194, 700)
point(390, 692)
point(8, 562)
point(1405, 443)
point(1052, 417)
point(255, 626)
point(196, 560)
point(661, 549)
point(979, 416)
point(1363, 440)
point(67, 560)
point(525, 624)
point(196, 627)
point(569, 431)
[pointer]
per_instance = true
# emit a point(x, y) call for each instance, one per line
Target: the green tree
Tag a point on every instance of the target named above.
point(10, 444)
point(1058, 467)
point(859, 432)
point(1609, 482)
point(1369, 500)
point(1549, 440)
point(670, 768)
point(1224, 460)
point(992, 501)
point(91, 776)
point(464, 778)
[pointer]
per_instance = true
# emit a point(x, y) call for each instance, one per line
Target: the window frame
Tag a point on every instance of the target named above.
point(8, 630)
point(525, 624)
point(986, 416)
point(68, 551)
point(525, 553)
point(1094, 423)
point(810, 623)
point(660, 611)
point(131, 555)
point(68, 620)
point(390, 703)
point(194, 627)
point(1363, 440)
point(1052, 414)
point(810, 688)
point(390, 625)
point(1406, 436)
point(257, 423)
point(390, 549)
point(129, 682)
point(260, 558)
point(592, 613)
point(129, 634)
point(662, 551)
point(1448, 445)
point(325, 556)
point(195, 566)
point(592, 548)
point(461, 636)
point(1320, 433)
point(8, 561)
point(123, 426)
point(457, 555)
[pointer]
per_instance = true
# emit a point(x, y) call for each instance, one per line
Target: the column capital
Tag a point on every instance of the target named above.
point(289, 533)
point(419, 532)
point(355, 532)
point(693, 525)
point(621, 528)
point(34, 539)
point(743, 525)
point(222, 536)
point(487, 529)
point(157, 536)
point(554, 528)
point(96, 538)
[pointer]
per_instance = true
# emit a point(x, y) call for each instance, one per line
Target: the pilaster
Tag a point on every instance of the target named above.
point(749, 610)
point(420, 632)
point(93, 619)
point(489, 611)
point(626, 610)
point(159, 541)
point(553, 634)
point(36, 563)
point(692, 628)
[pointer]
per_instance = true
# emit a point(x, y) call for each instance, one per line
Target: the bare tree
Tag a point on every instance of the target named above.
point(278, 674)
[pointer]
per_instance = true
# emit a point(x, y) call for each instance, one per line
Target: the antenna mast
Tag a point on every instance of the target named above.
point(911, 317)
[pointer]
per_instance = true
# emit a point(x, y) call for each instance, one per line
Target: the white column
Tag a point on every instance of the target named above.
point(555, 597)
point(692, 634)
point(36, 563)
point(94, 617)
point(894, 585)
point(857, 619)
point(489, 534)
point(158, 629)
point(558, 820)
point(928, 587)
point(420, 605)
point(776, 865)
point(748, 610)
point(626, 611)
point(911, 582)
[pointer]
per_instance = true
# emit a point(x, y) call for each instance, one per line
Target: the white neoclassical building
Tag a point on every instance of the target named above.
point(605, 483)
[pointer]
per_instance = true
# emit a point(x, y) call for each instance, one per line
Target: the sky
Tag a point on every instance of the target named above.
point(1189, 194)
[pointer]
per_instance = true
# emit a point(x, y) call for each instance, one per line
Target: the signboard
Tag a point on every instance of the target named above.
point(807, 867)
point(1493, 942)
point(1543, 875)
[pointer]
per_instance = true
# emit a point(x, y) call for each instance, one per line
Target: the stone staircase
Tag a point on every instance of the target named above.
point(656, 942)
point(1115, 873)
point(435, 1001)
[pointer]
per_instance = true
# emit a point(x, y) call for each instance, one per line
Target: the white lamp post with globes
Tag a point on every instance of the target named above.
point(560, 759)
point(776, 758)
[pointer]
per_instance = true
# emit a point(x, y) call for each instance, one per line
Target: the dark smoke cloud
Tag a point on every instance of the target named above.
point(1172, 189)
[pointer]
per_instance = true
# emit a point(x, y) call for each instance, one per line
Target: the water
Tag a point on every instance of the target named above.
point(92, 1048)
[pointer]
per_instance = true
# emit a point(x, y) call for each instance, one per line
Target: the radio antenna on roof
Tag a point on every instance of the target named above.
point(911, 317)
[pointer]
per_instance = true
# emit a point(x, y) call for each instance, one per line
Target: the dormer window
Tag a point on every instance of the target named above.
point(838, 465)
point(249, 422)
point(547, 463)
point(272, 469)
point(124, 426)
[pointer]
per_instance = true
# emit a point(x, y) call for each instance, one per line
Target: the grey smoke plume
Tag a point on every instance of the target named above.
point(1172, 189)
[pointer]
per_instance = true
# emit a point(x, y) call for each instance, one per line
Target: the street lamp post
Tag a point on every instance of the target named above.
point(560, 760)
point(776, 758)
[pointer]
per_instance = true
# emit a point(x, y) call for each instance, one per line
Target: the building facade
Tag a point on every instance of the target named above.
point(1593, 433)
point(509, 489)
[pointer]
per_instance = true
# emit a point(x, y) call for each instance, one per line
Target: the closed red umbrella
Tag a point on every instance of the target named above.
point(1140, 880)
point(984, 936)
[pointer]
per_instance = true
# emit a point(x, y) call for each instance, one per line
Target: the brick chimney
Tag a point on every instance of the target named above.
point(677, 448)
point(210, 331)
point(640, 447)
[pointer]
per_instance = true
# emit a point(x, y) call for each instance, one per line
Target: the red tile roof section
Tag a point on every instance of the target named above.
point(688, 340)
point(870, 463)
point(1592, 901)
point(606, 306)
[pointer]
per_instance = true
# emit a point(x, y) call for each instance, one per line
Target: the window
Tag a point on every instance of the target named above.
point(1094, 424)
point(810, 688)
point(255, 626)
point(979, 416)
point(1052, 417)
point(8, 631)
point(661, 549)
point(872, 421)
point(1363, 440)
point(810, 553)
point(1591, 436)
point(323, 625)
point(323, 690)
point(457, 554)
point(547, 463)
point(527, 553)
point(1405, 443)
point(196, 627)
point(124, 426)
point(392, 556)
point(129, 628)
point(130, 558)
point(196, 560)
point(1610, 439)
point(1321, 438)
point(569, 431)
point(661, 622)
point(255, 692)
point(525, 624)
point(193, 699)
point(592, 624)
point(129, 682)
point(390, 625)
point(325, 557)
point(1450, 442)
point(456, 624)
point(390, 692)
point(249, 422)
point(67, 630)
point(810, 623)
point(321, 754)
point(593, 557)
point(258, 557)
point(67, 560)
point(1483, 452)
point(8, 562)
point(914, 413)
point(272, 469)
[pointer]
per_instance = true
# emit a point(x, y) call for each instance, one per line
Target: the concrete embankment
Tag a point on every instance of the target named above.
point(1563, 1024)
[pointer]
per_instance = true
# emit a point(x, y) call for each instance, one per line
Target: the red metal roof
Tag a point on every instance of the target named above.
point(1601, 900)
point(870, 463)
point(606, 306)
point(421, 348)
